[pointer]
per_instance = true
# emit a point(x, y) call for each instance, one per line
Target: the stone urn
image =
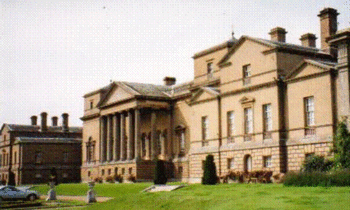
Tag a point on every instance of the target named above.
point(91, 195)
point(51, 194)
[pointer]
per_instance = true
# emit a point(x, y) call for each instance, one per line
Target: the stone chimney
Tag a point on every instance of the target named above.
point(278, 34)
point(308, 40)
point(43, 121)
point(169, 81)
point(54, 121)
point(328, 23)
point(34, 120)
point(65, 127)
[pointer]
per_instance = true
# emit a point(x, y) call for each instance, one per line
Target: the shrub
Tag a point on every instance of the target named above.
point(98, 180)
point(340, 178)
point(131, 178)
point(118, 178)
point(316, 163)
point(109, 179)
point(3, 182)
point(341, 146)
point(209, 174)
point(317, 178)
point(159, 173)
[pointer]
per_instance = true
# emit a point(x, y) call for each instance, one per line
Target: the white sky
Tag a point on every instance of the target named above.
point(52, 52)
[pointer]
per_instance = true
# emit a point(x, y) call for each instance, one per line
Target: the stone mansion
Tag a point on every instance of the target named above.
point(253, 104)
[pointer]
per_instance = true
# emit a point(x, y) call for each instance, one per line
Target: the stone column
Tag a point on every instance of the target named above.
point(122, 136)
point(153, 135)
point(103, 139)
point(108, 137)
point(116, 118)
point(137, 134)
point(111, 143)
point(131, 136)
point(171, 140)
point(147, 145)
point(163, 143)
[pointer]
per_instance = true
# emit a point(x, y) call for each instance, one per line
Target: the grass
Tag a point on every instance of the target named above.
point(223, 196)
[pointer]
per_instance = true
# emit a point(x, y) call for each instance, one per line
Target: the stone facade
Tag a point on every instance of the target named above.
point(253, 104)
point(31, 152)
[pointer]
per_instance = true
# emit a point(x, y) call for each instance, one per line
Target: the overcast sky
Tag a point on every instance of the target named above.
point(52, 52)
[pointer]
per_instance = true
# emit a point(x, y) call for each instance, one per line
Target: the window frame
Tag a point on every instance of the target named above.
point(231, 127)
point(247, 73)
point(267, 121)
point(65, 157)
point(248, 123)
point(205, 130)
point(91, 104)
point(231, 163)
point(210, 69)
point(309, 116)
point(38, 157)
point(182, 141)
point(267, 161)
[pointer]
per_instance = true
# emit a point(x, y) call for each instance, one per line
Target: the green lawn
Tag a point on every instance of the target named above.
point(223, 196)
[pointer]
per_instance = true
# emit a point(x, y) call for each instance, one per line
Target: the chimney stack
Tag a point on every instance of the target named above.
point(65, 127)
point(169, 81)
point(34, 119)
point(308, 40)
point(43, 121)
point(54, 121)
point(329, 25)
point(278, 34)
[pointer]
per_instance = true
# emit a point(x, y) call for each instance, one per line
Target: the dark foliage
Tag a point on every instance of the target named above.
point(118, 178)
point(98, 180)
point(12, 180)
point(316, 163)
point(160, 173)
point(131, 178)
point(341, 146)
point(209, 174)
point(317, 178)
point(110, 179)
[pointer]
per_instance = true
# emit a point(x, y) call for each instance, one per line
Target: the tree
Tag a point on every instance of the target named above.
point(341, 146)
point(209, 174)
point(160, 173)
point(316, 163)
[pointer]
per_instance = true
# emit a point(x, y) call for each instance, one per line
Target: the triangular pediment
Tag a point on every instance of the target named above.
point(247, 99)
point(245, 41)
point(308, 68)
point(203, 94)
point(118, 93)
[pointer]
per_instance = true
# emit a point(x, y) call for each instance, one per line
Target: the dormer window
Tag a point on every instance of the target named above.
point(246, 74)
point(210, 69)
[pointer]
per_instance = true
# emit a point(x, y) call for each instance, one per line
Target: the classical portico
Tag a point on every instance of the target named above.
point(120, 136)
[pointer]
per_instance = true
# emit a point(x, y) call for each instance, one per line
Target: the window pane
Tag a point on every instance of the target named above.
point(246, 71)
point(248, 113)
point(309, 111)
point(267, 117)
point(210, 68)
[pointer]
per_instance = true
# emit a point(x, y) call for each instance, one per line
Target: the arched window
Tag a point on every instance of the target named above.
point(180, 133)
point(90, 150)
point(248, 163)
